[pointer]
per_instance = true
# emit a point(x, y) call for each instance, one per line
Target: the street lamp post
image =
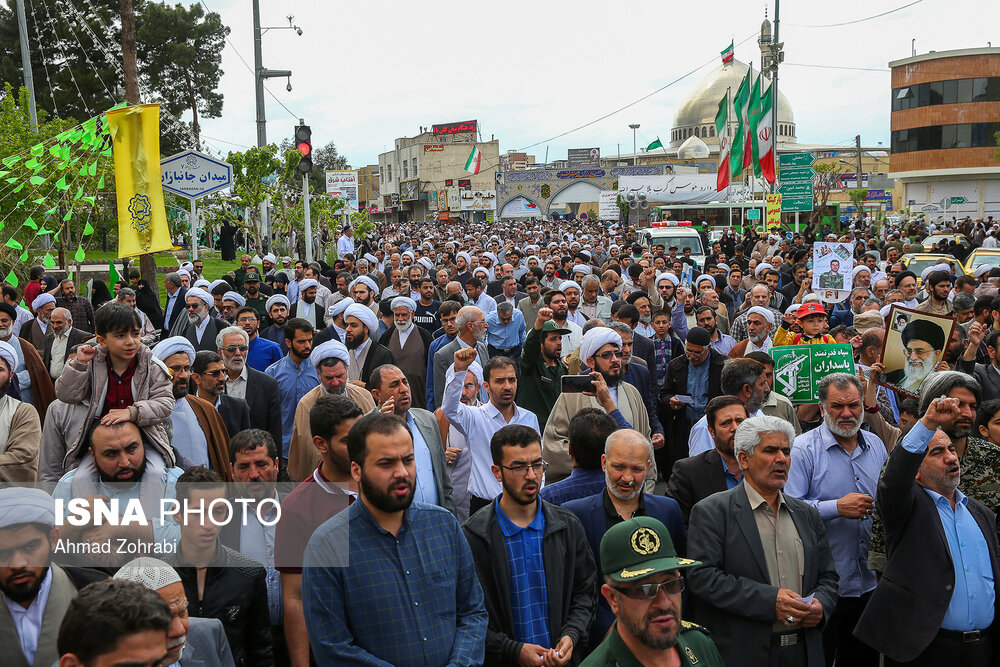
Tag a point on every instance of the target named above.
point(634, 126)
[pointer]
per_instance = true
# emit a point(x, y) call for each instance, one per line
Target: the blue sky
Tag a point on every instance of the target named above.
point(365, 73)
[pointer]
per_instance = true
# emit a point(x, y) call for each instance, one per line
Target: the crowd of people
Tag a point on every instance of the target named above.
point(543, 444)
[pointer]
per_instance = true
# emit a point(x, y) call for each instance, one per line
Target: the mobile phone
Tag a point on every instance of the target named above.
point(575, 384)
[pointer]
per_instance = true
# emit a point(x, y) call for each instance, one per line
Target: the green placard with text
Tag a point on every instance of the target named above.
point(799, 368)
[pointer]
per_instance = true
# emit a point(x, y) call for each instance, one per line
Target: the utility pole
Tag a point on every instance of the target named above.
point(29, 81)
point(634, 126)
point(857, 143)
point(776, 100)
point(308, 221)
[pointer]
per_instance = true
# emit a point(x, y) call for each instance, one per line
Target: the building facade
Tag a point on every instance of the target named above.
point(944, 118)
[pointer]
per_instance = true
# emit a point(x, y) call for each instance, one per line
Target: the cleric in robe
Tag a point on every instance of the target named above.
point(923, 342)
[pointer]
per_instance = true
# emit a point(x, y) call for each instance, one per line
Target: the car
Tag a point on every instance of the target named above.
point(674, 233)
point(962, 240)
point(918, 261)
point(982, 256)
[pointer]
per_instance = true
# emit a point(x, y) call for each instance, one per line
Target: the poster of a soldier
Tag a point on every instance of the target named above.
point(832, 266)
point(911, 348)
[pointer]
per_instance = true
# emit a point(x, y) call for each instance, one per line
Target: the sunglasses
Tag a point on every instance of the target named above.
point(609, 354)
point(214, 374)
point(232, 348)
point(650, 591)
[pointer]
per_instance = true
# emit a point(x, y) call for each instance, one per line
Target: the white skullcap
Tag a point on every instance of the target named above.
point(404, 301)
point(184, 271)
point(597, 338)
point(21, 504)
point(277, 298)
point(761, 268)
point(365, 314)
point(152, 573)
point(201, 295)
point(493, 258)
point(884, 312)
point(340, 306)
point(270, 258)
point(982, 270)
point(765, 313)
point(703, 278)
point(464, 255)
point(41, 300)
point(567, 284)
point(8, 354)
point(926, 272)
point(581, 268)
point(215, 283)
point(481, 269)
point(408, 252)
point(668, 276)
point(371, 258)
point(172, 346)
point(233, 296)
point(724, 267)
point(859, 269)
point(331, 349)
point(306, 283)
point(364, 280)
point(201, 282)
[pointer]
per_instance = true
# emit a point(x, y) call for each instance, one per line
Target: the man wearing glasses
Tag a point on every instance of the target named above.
point(259, 352)
point(643, 585)
point(537, 572)
point(923, 342)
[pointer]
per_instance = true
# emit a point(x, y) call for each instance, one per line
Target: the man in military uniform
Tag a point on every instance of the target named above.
point(832, 279)
point(643, 584)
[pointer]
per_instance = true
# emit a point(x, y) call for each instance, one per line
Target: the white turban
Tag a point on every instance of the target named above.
point(331, 349)
point(187, 266)
point(581, 268)
point(404, 301)
point(597, 338)
point(426, 263)
point(340, 306)
point(943, 266)
point(371, 258)
point(201, 282)
point(668, 276)
point(365, 314)
point(465, 256)
point(761, 268)
point(270, 258)
point(201, 295)
point(364, 280)
point(884, 312)
point(493, 258)
point(765, 313)
point(41, 300)
point(172, 346)
point(483, 270)
point(306, 283)
point(926, 272)
point(704, 278)
point(233, 296)
point(859, 269)
point(150, 572)
point(475, 369)
point(185, 272)
point(792, 309)
point(277, 298)
point(567, 284)
point(408, 252)
point(21, 504)
point(215, 283)
point(982, 270)
point(8, 354)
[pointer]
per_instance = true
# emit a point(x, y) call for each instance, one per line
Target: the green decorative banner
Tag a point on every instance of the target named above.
point(799, 368)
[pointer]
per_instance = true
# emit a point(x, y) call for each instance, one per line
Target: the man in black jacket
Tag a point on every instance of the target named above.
point(259, 390)
point(535, 566)
point(209, 375)
point(232, 587)
point(937, 601)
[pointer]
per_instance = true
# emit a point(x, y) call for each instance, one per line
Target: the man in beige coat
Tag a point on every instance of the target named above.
point(601, 350)
point(331, 361)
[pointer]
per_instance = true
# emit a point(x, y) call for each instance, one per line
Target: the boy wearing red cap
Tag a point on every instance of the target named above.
point(812, 318)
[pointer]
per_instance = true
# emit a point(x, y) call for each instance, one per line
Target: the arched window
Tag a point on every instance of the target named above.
point(711, 131)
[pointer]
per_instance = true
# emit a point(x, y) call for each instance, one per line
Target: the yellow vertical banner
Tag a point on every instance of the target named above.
point(142, 219)
point(772, 210)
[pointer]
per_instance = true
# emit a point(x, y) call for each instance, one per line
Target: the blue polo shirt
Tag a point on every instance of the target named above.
point(529, 600)
point(263, 353)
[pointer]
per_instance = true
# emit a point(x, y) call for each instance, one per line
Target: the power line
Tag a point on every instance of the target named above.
point(867, 18)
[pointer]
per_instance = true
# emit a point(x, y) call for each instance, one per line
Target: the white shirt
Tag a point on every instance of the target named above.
point(577, 317)
point(478, 424)
point(485, 303)
point(646, 330)
point(28, 622)
point(572, 340)
point(701, 440)
point(257, 542)
point(345, 244)
point(404, 334)
point(238, 388)
point(199, 330)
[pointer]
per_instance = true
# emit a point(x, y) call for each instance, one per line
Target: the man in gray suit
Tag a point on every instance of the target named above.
point(768, 582)
point(472, 329)
point(191, 642)
point(391, 391)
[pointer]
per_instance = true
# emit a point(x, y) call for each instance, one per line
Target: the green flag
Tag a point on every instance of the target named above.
point(755, 109)
point(113, 275)
point(656, 144)
point(740, 102)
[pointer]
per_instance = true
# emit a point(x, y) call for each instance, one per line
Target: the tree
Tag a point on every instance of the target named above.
point(323, 159)
point(826, 180)
point(857, 196)
point(180, 50)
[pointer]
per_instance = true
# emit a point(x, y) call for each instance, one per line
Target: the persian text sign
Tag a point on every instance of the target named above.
point(672, 188)
point(464, 127)
point(798, 368)
point(607, 205)
point(192, 174)
point(344, 185)
point(479, 200)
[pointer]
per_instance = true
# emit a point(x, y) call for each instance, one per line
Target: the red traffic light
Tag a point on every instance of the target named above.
point(305, 148)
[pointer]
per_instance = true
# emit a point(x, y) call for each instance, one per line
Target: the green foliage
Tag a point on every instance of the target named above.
point(323, 158)
point(857, 197)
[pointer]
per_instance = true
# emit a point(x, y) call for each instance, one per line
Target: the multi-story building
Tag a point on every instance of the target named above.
point(944, 119)
point(514, 161)
point(425, 174)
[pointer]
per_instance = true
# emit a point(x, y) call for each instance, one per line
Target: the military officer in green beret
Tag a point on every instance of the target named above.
point(643, 584)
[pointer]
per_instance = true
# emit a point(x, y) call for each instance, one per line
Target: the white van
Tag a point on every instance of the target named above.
point(674, 233)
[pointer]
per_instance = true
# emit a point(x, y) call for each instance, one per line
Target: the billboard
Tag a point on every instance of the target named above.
point(607, 205)
point(433, 147)
point(442, 197)
point(463, 127)
point(344, 185)
point(479, 200)
point(409, 190)
point(583, 157)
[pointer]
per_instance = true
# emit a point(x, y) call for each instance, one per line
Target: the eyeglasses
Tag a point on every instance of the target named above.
point(232, 348)
point(521, 470)
point(446, 320)
point(174, 370)
point(215, 374)
point(650, 591)
point(617, 354)
point(193, 306)
point(247, 319)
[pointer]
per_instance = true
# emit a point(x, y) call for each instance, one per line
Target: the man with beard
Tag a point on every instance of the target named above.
point(258, 389)
point(364, 291)
point(295, 377)
point(202, 328)
point(923, 341)
point(709, 321)
point(639, 563)
point(426, 314)
point(20, 429)
point(697, 477)
point(478, 424)
point(759, 324)
point(746, 380)
point(555, 300)
point(365, 353)
point(277, 314)
point(62, 338)
point(35, 592)
point(835, 469)
point(254, 299)
point(601, 351)
point(199, 436)
point(760, 297)
point(938, 286)
point(308, 307)
point(231, 302)
point(390, 389)
point(336, 328)
point(537, 573)
point(626, 462)
point(641, 301)
point(346, 612)
point(191, 641)
point(331, 360)
point(34, 330)
point(408, 345)
point(594, 304)
point(209, 375)
point(81, 310)
point(448, 315)
point(462, 270)
point(768, 581)
point(542, 366)
point(571, 290)
point(471, 329)
point(935, 532)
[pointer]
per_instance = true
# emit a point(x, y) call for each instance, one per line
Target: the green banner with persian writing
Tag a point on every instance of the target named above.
point(799, 368)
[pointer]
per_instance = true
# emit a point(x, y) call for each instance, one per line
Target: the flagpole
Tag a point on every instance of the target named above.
point(729, 188)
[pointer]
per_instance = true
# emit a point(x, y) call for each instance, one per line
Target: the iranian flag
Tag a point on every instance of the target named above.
point(722, 131)
point(737, 160)
point(765, 135)
point(754, 111)
point(475, 161)
point(728, 54)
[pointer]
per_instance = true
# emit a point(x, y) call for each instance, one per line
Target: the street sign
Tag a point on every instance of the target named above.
point(192, 174)
point(958, 200)
point(930, 208)
point(753, 214)
point(795, 160)
point(797, 175)
point(796, 189)
point(772, 211)
point(796, 204)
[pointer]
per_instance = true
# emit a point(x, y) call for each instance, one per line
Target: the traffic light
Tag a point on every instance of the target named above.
point(303, 144)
